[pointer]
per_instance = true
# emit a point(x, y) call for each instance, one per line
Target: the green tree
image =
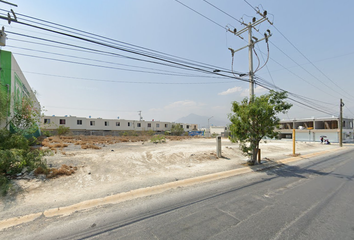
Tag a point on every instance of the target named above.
point(177, 130)
point(253, 120)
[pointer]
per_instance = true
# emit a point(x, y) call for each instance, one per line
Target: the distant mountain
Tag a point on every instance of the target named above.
point(202, 121)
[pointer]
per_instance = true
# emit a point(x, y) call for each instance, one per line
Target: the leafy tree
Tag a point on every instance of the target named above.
point(253, 120)
point(177, 129)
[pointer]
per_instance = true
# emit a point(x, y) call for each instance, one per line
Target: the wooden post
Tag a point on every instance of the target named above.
point(259, 155)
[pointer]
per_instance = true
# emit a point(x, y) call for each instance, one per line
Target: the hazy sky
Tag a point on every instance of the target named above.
point(105, 87)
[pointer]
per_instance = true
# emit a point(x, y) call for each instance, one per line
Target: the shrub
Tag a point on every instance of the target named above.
point(15, 155)
point(150, 133)
point(5, 185)
point(62, 130)
point(158, 138)
point(10, 141)
point(46, 133)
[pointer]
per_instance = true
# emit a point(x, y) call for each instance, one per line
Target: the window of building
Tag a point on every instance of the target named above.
point(187, 126)
point(138, 124)
point(79, 122)
point(149, 125)
point(166, 125)
point(92, 123)
point(343, 123)
point(157, 125)
point(62, 121)
point(106, 123)
point(117, 124)
point(46, 121)
point(128, 124)
point(181, 126)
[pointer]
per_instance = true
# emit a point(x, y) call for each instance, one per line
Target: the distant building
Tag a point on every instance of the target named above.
point(312, 129)
point(14, 86)
point(92, 126)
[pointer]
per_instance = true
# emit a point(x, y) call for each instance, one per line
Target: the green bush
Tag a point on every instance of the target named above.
point(15, 155)
point(177, 130)
point(12, 140)
point(5, 185)
point(62, 130)
point(158, 138)
point(46, 133)
point(150, 133)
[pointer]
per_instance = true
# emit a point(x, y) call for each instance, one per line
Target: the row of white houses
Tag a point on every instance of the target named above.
point(100, 124)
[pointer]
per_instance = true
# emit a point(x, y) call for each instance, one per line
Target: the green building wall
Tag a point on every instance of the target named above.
point(13, 87)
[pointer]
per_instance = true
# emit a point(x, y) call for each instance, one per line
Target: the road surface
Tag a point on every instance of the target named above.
point(312, 199)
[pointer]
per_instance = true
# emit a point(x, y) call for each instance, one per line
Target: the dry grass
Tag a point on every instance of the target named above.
point(95, 142)
point(64, 170)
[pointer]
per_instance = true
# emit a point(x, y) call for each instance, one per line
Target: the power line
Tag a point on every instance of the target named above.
point(310, 61)
point(174, 64)
point(130, 82)
point(223, 11)
point(304, 57)
point(90, 59)
point(322, 83)
point(201, 14)
point(90, 34)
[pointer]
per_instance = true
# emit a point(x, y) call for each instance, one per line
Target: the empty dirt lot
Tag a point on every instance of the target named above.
point(106, 166)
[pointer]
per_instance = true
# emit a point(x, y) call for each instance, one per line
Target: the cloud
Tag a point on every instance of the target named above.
point(231, 90)
point(183, 104)
point(257, 90)
point(260, 89)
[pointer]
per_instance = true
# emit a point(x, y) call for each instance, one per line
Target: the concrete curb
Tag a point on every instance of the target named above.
point(143, 192)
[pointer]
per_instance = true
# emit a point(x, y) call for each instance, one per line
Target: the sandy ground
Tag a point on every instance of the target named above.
point(126, 166)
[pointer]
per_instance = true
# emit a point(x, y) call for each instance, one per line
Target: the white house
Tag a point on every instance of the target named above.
point(89, 125)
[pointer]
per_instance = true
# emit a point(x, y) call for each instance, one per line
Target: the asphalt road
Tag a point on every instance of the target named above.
point(313, 199)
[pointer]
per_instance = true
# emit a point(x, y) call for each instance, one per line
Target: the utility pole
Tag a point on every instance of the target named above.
point(250, 59)
point(251, 42)
point(341, 123)
point(140, 117)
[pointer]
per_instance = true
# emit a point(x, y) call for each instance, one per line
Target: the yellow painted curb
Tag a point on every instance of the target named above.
point(143, 192)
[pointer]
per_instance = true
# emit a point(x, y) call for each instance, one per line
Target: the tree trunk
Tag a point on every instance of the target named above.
point(254, 153)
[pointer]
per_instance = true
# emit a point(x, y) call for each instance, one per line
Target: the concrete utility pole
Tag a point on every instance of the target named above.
point(251, 42)
point(250, 58)
point(341, 123)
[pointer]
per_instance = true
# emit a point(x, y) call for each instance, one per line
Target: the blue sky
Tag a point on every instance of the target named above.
point(320, 30)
